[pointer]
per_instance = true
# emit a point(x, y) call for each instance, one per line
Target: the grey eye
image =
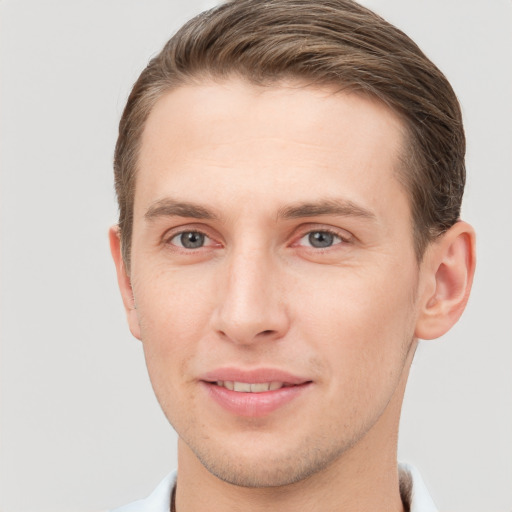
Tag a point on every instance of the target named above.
point(189, 239)
point(321, 239)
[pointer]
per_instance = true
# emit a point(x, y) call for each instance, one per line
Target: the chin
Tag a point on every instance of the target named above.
point(267, 467)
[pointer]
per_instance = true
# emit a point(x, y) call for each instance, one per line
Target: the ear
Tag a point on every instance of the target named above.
point(448, 267)
point(124, 282)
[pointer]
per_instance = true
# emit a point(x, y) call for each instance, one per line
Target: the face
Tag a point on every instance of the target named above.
point(273, 275)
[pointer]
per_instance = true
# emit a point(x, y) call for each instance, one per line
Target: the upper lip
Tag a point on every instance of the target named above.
point(253, 376)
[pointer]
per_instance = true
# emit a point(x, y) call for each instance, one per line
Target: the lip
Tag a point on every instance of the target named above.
point(253, 376)
point(253, 404)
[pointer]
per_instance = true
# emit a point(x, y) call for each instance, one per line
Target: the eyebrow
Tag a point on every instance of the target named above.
point(337, 207)
point(171, 208)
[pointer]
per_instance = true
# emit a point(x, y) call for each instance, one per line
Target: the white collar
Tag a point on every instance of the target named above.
point(413, 490)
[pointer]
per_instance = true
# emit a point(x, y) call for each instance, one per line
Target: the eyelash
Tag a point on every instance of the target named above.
point(336, 234)
point(341, 239)
point(168, 239)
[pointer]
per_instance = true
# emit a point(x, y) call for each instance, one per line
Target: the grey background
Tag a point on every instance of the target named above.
point(80, 428)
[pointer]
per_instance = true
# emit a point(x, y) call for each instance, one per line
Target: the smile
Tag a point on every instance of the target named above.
point(249, 387)
point(254, 393)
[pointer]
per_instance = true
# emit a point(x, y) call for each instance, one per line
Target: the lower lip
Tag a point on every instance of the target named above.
point(254, 404)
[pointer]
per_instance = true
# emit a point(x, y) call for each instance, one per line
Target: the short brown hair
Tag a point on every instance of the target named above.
point(320, 42)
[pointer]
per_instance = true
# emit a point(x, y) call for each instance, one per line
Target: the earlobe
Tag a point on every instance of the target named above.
point(450, 266)
point(124, 282)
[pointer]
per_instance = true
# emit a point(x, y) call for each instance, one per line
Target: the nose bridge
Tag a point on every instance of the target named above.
point(251, 307)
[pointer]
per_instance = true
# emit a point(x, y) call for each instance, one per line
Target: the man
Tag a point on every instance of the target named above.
point(289, 176)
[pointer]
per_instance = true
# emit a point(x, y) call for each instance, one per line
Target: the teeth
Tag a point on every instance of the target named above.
point(246, 387)
point(259, 388)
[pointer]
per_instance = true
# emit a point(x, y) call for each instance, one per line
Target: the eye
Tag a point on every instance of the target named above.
point(190, 240)
point(320, 239)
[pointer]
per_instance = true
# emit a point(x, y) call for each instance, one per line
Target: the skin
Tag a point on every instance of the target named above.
point(258, 293)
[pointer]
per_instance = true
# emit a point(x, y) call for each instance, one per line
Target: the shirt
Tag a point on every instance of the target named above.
point(413, 490)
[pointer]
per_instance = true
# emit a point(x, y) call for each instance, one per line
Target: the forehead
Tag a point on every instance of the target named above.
point(281, 142)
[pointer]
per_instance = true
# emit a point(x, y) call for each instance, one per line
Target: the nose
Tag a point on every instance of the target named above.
point(251, 306)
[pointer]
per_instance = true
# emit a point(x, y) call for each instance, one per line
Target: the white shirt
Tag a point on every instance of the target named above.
point(160, 499)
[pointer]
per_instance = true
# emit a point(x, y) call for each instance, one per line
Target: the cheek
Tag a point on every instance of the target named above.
point(363, 335)
point(362, 324)
point(174, 311)
point(173, 300)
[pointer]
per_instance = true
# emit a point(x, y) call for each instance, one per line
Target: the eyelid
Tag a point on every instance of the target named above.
point(189, 228)
point(300, 233)
point(206, 239)
point(344, 235)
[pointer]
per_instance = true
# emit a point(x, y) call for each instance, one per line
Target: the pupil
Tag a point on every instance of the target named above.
point(192, 240)
point(321, 239)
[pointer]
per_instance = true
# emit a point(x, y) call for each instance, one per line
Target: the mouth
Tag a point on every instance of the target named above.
point(254, 393)
point(252, 387)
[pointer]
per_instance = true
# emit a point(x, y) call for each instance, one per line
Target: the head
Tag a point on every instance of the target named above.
point(289, 176)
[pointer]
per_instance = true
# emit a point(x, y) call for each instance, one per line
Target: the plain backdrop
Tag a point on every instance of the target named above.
point(80, 427)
